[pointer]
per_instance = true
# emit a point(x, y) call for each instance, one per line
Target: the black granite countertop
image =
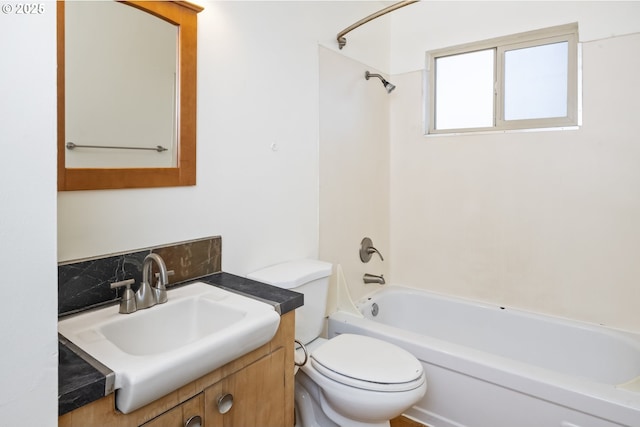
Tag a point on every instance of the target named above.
point(82, 379)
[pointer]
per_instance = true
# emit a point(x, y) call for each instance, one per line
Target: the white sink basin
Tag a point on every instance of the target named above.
point(157, 350)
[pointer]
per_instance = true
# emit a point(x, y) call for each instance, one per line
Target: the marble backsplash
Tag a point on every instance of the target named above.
point(87, 283)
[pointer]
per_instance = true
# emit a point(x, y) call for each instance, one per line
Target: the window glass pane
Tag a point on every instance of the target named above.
point(464, 90)
point(535, 84)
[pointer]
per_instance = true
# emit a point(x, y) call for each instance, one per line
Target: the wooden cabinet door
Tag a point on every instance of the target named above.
point(258, 395)
point(178, 416)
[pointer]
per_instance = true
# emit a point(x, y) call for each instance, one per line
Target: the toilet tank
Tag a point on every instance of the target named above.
point(310, 278)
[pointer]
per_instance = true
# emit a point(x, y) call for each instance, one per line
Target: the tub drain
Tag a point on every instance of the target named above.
point(374, 309)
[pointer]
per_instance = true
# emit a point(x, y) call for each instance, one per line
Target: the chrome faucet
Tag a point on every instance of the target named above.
point(372, 278)
point(147, 296)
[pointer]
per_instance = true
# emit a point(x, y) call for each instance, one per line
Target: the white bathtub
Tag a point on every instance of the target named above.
point(488, 366)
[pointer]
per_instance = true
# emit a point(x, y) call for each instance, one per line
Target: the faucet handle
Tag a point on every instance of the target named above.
point(128, 301)
point(169, 273)
point(367, 250)
point(127, 283)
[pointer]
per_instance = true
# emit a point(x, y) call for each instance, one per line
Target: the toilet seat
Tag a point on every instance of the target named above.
point(367, 363)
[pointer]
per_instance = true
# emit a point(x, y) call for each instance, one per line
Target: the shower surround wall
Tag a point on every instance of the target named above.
point(86, 283)
point(354, 168)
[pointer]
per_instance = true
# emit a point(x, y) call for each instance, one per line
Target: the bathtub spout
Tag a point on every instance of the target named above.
point(372, 278)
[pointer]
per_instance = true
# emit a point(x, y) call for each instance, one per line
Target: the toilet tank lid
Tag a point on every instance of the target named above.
point(292, 274)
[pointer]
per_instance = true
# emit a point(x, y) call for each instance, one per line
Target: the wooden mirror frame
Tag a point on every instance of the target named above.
point(184, 15)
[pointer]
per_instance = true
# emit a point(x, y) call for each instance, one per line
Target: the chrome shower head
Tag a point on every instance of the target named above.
point(388, 86)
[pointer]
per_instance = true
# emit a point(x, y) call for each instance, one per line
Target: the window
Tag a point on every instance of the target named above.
point(525, 81)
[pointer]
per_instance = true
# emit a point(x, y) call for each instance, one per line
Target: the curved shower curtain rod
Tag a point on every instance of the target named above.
point(342, 41)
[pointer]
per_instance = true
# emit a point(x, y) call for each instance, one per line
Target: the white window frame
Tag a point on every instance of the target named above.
point(563, 33)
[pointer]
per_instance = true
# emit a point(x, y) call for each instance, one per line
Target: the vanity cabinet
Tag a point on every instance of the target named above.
point(251, 397)
point(260, 385)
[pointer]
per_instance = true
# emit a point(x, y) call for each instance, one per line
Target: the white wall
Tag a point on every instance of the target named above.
point(28, 395)
point(257, 87)
point(546, 221)
point(429, 25)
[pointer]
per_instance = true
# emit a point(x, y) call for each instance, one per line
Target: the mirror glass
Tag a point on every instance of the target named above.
point(126, 94)
point(120, 87)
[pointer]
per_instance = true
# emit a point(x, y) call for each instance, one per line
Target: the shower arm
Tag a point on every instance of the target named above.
point(342, 41)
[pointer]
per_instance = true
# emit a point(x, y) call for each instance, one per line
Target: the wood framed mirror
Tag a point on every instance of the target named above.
point(183, 15)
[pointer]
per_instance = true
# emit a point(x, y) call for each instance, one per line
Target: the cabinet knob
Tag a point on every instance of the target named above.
point(225, 402)
point(195, 421)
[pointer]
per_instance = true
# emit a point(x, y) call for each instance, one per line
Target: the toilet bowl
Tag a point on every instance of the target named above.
point(361, 381)
point(349, 380)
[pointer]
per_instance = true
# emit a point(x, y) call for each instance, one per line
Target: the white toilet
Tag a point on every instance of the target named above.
point(349, 380)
